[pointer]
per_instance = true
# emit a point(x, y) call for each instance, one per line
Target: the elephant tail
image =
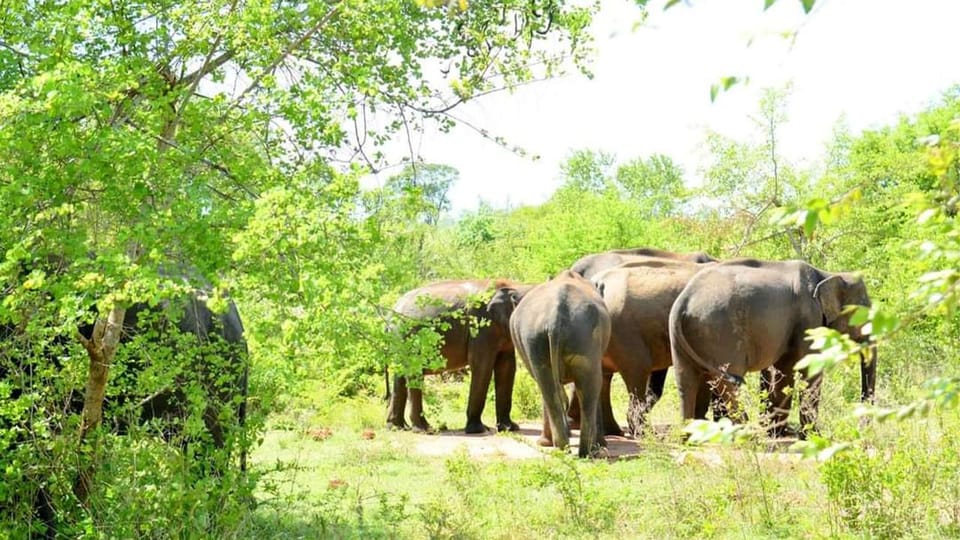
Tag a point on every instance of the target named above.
point(558, 424)
point(681, 345)
point(556, 364)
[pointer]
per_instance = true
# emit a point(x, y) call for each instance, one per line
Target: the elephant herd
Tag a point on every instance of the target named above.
point(637, 312)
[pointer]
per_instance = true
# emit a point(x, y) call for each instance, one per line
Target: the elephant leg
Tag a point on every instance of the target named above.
point(655, 387)
point(635, 377)
point(810, 404)
point(727, 392)
point(716, 402)
point(398, 404)
point(546, 434)
point(689, 378)
point(601, 441)
point(609, 422)
point(573, 410)
point(505, 371)
point(588, 390)
point(417, 417)
point(553, 404)
point(777, 384)
point(704, 399)
point(481, 372)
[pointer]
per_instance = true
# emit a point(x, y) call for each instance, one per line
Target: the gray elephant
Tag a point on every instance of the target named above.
point(639, 296)
point(751, 315)
point(561, 329)
point(639, 308)
point(487, 350)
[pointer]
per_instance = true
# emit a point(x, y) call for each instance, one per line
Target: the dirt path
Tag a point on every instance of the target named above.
point(519, 445)
point(523, 445)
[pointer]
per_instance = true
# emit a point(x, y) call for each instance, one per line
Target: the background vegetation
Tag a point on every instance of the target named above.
point(231, 137)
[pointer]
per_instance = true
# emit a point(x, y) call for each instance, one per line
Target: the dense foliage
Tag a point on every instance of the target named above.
point(146, 141)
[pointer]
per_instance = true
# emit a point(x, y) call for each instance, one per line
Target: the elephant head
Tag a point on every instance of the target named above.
point(836, 291)
point(833, 293)
point(501, 306)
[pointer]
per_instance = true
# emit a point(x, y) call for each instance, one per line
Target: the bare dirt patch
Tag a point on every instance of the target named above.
point(518, 445)
point(523, 445)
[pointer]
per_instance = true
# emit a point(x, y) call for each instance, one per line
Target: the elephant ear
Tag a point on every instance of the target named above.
point(502, 304)
point(508, 295)
point(829, 293)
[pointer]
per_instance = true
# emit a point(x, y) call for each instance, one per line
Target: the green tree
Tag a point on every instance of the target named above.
point(654, 183)
point(158, 134)
point(425, 186)
point(747, 180)
point(587, 171)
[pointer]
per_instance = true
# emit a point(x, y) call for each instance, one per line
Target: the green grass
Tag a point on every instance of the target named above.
point(901, 480)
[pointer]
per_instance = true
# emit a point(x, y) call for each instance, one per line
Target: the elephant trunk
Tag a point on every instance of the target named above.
point(868, 375)
point(386, 382)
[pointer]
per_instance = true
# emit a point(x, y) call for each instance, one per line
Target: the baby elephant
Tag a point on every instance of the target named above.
point(561, 329)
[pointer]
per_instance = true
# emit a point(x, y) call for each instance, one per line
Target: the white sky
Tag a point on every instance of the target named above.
point(869, 60)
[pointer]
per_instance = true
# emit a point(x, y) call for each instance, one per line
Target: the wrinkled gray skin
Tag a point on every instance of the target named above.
point(561, 329)
point(591, 266)
point(489, 353)
point(751, 315)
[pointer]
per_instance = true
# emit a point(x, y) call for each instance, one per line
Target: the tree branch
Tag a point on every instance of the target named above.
point(209, 65)
point(288, 51)
point(215, 166)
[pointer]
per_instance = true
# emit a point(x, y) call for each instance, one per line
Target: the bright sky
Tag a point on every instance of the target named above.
point(866, 60)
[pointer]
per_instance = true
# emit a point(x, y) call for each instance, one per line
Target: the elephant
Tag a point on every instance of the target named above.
point(638, 296)
point(751, 315)
point(215, 338)
point(561, 329)
point(488, 351)
point(638, 260)
point(148, 331)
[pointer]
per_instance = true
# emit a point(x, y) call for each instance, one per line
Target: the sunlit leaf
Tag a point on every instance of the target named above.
point(860, 315)
point(926, 215)
point(810, 223)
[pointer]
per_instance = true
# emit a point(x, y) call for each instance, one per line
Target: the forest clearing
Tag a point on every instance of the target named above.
point(256, 284)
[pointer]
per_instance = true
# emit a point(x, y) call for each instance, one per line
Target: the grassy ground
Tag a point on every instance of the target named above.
point(330, 470)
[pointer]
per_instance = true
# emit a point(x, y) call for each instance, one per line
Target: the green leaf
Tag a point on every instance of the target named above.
point(725, 84)
point(810, 223)
point(818, 448)
point(860, 315)
point(926, 215)
point(670, 4)
point(728, 82)
point(768, 3)
point(807, 5)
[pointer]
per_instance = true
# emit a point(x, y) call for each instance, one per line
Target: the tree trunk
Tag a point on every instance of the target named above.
point(102, 345)
point(101, 348)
